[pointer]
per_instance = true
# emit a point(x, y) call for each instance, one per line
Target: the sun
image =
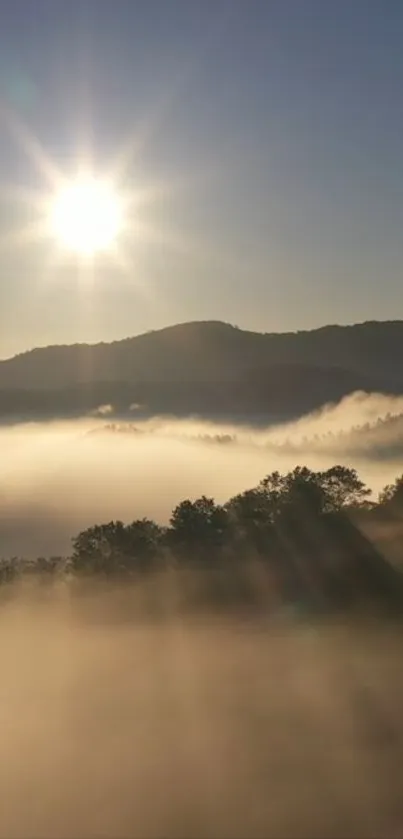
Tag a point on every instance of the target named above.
point(86, 216)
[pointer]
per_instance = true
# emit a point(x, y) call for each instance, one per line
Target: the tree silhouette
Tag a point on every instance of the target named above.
point(342, 488)
point(251, 518)
point(392, 495)
point(114, 548)
point(299, 529)
point(100, 548)
point(197, 528)
point(144, 541)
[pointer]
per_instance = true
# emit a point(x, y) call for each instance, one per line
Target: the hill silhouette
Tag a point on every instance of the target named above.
point(208, 368)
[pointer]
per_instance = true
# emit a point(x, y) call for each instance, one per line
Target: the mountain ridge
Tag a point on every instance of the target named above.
point(208, 366)
point(216, 323)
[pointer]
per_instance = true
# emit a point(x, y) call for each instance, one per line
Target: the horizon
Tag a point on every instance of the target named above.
point(172, 326)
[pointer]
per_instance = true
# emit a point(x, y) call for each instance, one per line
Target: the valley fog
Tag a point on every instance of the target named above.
point(58, 478)
point(115, 726)
point(145, 711)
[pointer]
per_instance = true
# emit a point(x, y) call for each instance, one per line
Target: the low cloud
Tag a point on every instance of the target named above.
point(57, 478)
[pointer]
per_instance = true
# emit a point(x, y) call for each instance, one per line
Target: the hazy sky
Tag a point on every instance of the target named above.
point(274, 127)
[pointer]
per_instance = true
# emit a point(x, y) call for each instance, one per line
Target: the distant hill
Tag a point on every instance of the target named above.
point(208, 368)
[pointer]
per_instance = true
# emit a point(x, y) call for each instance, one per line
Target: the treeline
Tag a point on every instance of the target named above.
point(382, 438)
point(295, 535)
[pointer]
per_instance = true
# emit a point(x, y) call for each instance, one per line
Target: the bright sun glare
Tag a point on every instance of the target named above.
point(86, 213)
point(86, 216)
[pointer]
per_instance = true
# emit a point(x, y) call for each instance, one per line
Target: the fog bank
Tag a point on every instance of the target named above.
point(57, 478)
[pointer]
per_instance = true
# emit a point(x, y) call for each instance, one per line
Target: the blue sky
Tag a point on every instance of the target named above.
point(276, 128)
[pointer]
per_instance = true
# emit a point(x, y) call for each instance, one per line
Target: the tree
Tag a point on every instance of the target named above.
point(392, 495)
point(198, 527)
point(114, 548)
point(250, 516)
point(343, 489)
point(144, 540)
point(327, 491)
point(99, 548)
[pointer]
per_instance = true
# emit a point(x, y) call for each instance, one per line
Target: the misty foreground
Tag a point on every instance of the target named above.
point(118, 724)
point(235, 674)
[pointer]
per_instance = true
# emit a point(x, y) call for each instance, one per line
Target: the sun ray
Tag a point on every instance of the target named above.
point(178, 87)
point(89, 219)
point(32, 148)
point(19, 193)
point(30, 233)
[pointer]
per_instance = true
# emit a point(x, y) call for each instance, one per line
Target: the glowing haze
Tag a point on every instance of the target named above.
point(58, 478)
